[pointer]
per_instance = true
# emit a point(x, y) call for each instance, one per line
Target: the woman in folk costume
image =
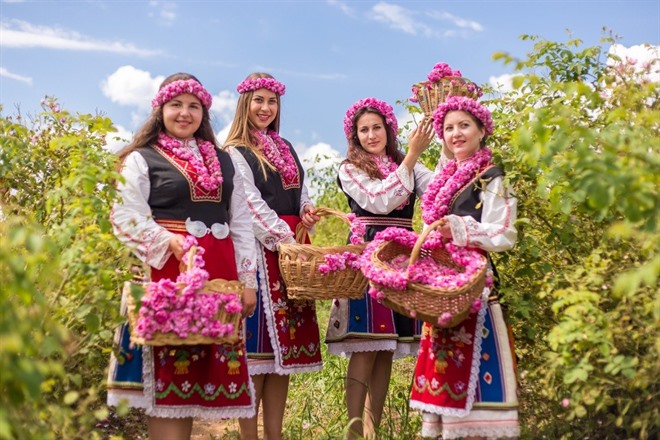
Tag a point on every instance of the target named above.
point(465, 377)
point(381, 184)
point(178, 183)
point(283, 335)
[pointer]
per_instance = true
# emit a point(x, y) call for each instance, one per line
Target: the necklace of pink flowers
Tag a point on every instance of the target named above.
point(209, 174)
point(453, 177)
point(278, 154)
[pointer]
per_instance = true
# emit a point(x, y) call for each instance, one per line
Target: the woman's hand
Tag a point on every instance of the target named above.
point(421, 137)
point(444, 228)
point(309, 218)
point(418, 142)
point(176, 246)
point(249, 302)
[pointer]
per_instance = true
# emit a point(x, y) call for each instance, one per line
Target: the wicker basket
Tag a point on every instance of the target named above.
point(430, 94)
point(171, 338)
point(299, 265)
point(425, 302)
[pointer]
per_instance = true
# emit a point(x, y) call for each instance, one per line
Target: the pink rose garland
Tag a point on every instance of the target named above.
point(453, 177)
point(278, 154)
point(209, 174)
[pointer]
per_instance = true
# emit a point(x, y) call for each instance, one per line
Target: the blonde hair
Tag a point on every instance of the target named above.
point(240, 132)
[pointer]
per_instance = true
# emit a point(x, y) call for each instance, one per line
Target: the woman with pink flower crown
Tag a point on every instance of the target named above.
point(465, 378)
point(381, 185)
point(181, 190)
point(282, 335)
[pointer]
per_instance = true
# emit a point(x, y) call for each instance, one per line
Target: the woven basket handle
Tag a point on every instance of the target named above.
point(414, 255)
point(301, 230)
point(189, 264)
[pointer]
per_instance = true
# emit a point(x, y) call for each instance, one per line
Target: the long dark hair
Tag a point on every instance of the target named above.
point(358, 157)
point(154, 125)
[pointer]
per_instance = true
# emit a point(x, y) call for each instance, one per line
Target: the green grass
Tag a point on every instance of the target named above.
point(316, 408)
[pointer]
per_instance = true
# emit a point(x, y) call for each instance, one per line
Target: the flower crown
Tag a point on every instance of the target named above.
point(252, 84)
point(180, 87)
point(380, 106)
point(462, 103)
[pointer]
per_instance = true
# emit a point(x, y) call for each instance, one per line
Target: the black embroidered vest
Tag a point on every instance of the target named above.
point(283, 200)
point(174, 194)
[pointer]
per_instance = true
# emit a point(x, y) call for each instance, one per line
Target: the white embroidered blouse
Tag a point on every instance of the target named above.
point(134, 225)
point(383, 196)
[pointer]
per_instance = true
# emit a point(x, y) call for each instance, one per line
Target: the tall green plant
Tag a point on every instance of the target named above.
point(59, 274)
point(579, 137)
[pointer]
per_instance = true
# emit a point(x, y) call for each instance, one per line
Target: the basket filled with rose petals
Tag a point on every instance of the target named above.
point(324, 272)
point(425, 277)
point(442, 82)
point(188, 311)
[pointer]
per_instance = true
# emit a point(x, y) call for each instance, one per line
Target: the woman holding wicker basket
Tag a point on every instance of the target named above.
point(381, 185)
point(282, 335)
point(464, 380)
point(180, 188)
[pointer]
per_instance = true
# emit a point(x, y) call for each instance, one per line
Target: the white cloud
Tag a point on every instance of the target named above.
point(21, 34)
point(164, 11)
point(7, 74)
point(642, 57)
point(132, 87)
point(117, 140)
point(412, 22)
point(343, 7)
point(459, 22)
point(224, 105)
point(318, 156)
point(502, 83)
point(395, 16)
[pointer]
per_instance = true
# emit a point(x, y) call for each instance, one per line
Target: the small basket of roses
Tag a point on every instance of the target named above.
point(425, 277)
point(324, 272)
point(442, 82)
point(189, 311)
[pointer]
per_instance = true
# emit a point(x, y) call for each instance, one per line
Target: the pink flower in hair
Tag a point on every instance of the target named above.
point(252, 84)
point(381, 107)
point(462, 103)
point(180, 87)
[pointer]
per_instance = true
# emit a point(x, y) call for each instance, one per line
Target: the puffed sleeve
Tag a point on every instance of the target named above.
point(423, 176)
point(375, 195)
point(131, 217)
point(240, 227)
point(496, 231)
point(268, 228)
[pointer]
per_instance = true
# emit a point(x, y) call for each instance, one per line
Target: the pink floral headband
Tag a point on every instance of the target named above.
point(462, 103)
point(180, 87)
point(252, 84)
point(380, 106)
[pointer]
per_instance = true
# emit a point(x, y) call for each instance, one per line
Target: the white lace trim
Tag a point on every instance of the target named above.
point(347, 347)
point(134, 399)
point(491, 433)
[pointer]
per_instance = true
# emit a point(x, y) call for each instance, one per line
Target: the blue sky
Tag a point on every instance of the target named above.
point(109, 56)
